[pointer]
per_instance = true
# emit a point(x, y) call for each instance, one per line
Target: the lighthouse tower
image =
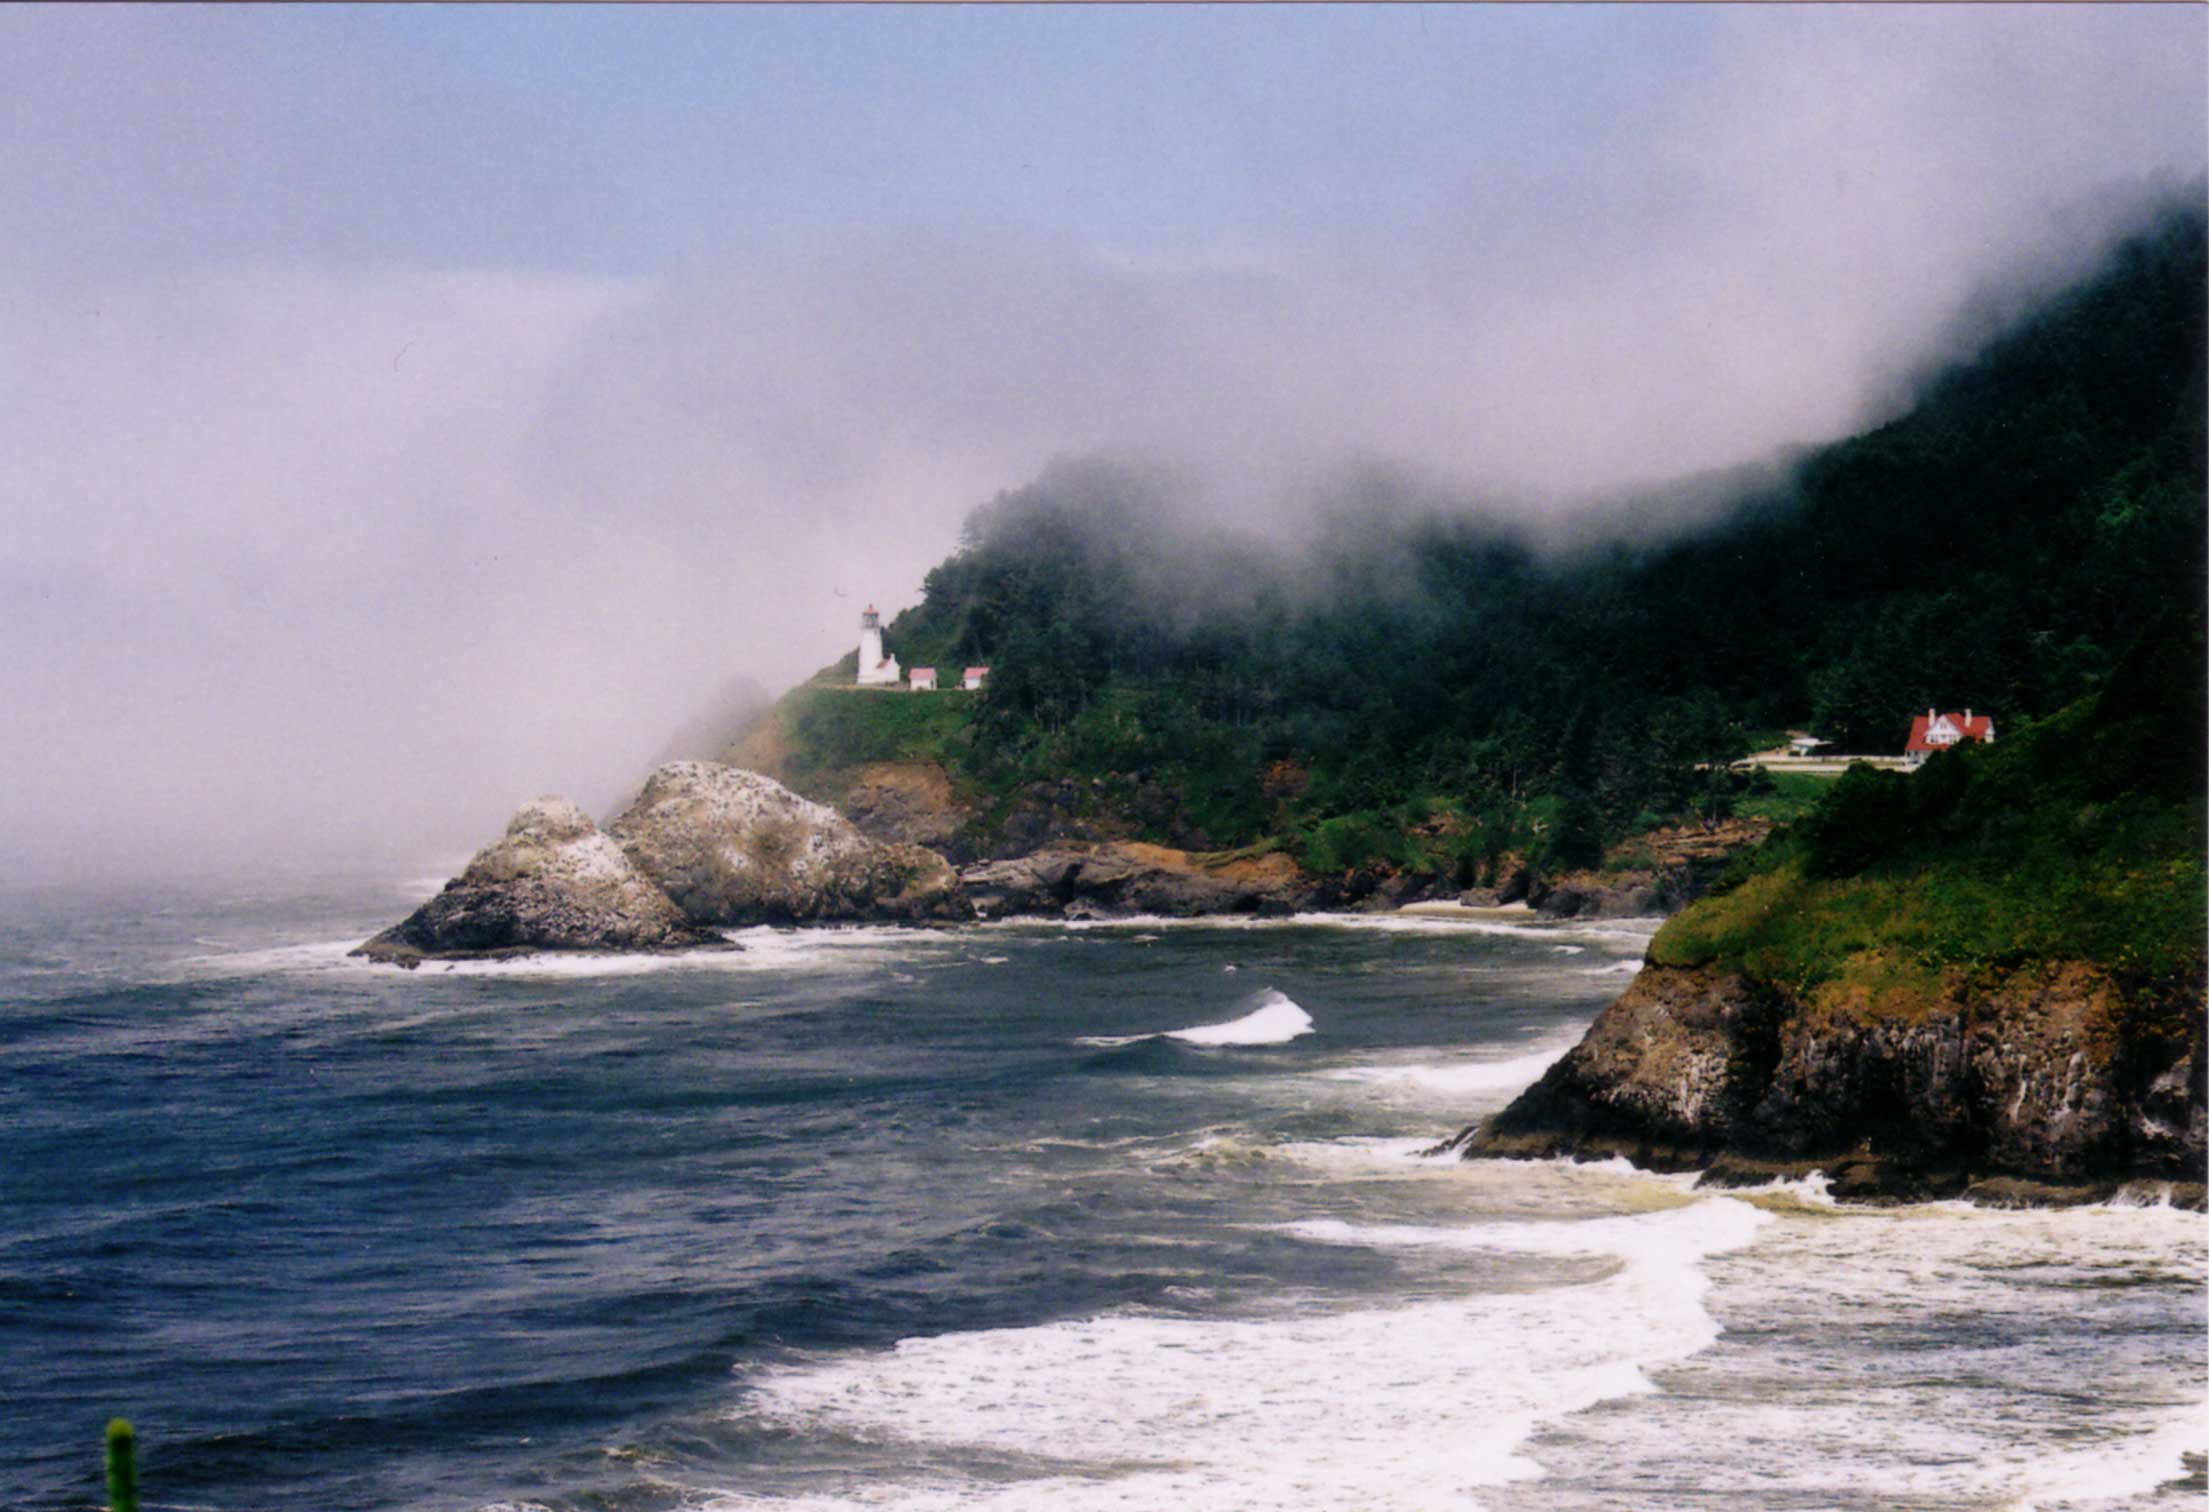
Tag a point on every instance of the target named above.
point(875, 668)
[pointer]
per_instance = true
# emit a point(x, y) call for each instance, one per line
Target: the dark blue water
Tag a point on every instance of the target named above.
point(342, 1236)
point(644, 1235)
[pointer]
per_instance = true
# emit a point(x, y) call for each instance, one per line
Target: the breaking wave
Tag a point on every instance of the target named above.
point(1416, 1406)
point(1275, 1021)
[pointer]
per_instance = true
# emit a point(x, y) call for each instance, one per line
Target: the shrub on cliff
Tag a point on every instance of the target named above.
point(2076, 839)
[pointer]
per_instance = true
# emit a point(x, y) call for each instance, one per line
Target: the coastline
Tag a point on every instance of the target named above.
point(1851, 1178)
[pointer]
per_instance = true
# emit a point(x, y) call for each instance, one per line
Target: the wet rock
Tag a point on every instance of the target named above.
point(1123, 878)
point(2050, 1076)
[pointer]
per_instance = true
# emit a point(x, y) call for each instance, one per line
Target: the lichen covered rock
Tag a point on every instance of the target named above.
point(732, 847)
point(553, 881)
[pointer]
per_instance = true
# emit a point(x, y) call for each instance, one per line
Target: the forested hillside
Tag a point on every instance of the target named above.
point(1434, 691)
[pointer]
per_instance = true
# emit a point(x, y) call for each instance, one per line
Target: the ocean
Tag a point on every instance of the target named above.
point(1128, 1215)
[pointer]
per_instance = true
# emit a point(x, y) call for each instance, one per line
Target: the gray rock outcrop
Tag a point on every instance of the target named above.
point(553, 881)
point(731, 847)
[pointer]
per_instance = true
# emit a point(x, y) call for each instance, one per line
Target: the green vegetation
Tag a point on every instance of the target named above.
point(1782, 797)
point(832, 726)
point(1430, 691)
point(2079, 840)
point(122, 1466)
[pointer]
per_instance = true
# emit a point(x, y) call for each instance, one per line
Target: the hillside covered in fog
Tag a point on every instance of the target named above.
point(1432, 690)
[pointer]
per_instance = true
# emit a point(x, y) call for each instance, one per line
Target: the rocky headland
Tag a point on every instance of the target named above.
point(2052, 1085)
point(705, 847)
point(1983, 979)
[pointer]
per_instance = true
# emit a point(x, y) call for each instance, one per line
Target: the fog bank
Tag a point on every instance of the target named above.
point(408, 412)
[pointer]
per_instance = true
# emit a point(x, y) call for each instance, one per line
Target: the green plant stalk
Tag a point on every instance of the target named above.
point(122, 1466)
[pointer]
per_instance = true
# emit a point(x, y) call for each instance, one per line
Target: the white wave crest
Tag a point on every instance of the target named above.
point(1275, 1021)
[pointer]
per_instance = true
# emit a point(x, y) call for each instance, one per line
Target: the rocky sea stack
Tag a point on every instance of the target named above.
point(701, 849)
point(732, 847)
point(553, 881)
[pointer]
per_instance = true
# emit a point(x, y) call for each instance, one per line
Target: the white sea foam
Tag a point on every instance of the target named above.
point(311, 955)
point(1371, 1155)
point(2114, 1468)
point(2069, 1375)
point(816, 948)
point(1616, 968)
point(1275, 1021)
point(1418, 1406)
point(1663, 1241)
point(1454, 1079)
point(1614, 934)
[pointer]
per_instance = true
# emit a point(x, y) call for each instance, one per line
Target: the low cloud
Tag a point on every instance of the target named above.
point(336, 547)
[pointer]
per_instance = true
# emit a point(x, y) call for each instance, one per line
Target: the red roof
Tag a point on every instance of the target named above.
point(1974, 727)
point(977, 671)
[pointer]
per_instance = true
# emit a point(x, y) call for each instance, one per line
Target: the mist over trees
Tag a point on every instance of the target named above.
point(1999, 546)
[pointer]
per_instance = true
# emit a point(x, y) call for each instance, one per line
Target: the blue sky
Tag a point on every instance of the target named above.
point(413, 408)
point(1157, 132)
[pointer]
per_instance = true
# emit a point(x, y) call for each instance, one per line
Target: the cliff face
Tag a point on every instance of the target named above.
point(1987, 972)
point(2052, 1076)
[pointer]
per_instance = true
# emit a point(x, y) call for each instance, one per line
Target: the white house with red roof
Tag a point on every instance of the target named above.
point(1934, 731)
point(975, 677)
point(922, 680)
point(877, 669)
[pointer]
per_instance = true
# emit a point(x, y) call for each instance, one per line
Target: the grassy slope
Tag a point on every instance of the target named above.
point(2079, 839)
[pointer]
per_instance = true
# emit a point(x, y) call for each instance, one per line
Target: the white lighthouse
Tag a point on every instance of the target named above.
point(875, 669)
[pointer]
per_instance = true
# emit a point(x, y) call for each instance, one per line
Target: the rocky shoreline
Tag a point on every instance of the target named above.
point(2048, 1088)
point(705, 847)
